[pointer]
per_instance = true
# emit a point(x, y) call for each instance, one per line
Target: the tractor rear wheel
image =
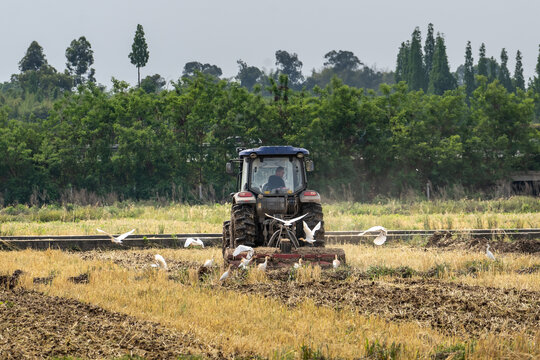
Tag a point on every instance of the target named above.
point(243, 227)
point(226, 241)
point(315, 214)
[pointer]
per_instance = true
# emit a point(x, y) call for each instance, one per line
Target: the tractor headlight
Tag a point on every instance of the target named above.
point(300, 155)
point(253, 155)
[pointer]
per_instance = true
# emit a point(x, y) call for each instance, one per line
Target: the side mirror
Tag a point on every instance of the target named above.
point(309, 165)
point(229, 168)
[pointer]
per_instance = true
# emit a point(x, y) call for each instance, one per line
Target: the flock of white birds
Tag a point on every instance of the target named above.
point(160, 263)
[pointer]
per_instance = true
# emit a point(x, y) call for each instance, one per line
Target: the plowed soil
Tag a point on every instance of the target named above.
point(455, 309)
point(445, 240)
point(35, 326)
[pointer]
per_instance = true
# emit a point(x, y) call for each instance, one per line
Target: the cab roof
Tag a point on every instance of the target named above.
point(274, 150)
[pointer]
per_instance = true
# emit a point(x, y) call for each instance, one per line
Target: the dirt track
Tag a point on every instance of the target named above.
point(35, 326)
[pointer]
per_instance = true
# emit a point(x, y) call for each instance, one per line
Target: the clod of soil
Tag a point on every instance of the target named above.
point(34, 326)
point(81, 279)
point(10, 281)
point(43, 280)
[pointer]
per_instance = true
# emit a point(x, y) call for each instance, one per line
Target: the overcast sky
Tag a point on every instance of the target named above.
point(221, 32)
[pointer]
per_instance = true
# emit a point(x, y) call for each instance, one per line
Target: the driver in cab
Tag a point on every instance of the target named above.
point(276, 181)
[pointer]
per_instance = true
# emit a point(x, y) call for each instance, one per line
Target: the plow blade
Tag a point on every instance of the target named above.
point(310, 255)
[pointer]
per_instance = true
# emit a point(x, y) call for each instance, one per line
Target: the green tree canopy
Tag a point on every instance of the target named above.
point(290, 65)
point(153, 84)
point(248, 75)
point(139, 54)
point(342, 60)
point(34, 58)
point(192, 67)
point(80, 58)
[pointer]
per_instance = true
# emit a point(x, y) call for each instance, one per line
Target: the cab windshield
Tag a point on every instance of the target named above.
point(276, 175)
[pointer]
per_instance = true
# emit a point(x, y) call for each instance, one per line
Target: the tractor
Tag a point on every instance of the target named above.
point(271, 189)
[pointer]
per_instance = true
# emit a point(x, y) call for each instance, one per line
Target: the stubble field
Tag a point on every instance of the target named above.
point(424, 300)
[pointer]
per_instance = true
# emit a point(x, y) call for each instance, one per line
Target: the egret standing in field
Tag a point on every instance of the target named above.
point(245, 262)
point(160, 262)
point(225, 274)
point(489, 254)
point(381, 238)
point(193, 242)
point(310, 233)
point(336, 262)
point(298, 265)
point(262, 267)
point(118, 239)
point(208, 263)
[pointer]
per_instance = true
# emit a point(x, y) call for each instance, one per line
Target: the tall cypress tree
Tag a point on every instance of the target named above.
point(469, 70)
point(493, 69)
point(417, 75)
point(482, 61)
point(402, 63)
point(139, 51)
point(535, 82)
point(440, 79)
point(519, 80)
point(429, 49)
point(504, 74)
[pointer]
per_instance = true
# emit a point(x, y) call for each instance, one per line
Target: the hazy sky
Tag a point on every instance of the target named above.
point(220, 32)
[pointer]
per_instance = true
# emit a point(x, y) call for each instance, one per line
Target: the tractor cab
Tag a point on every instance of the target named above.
point(273, 170)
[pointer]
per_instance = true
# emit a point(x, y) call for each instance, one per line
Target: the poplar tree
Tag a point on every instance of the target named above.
point(139, 51)
point(440, 78)
point(80, 58)
point(429, 49)
point(402, 66)
point(417, 75)
point(504, 74)
point(469, 70)
point(519, 80)
point(482, 61)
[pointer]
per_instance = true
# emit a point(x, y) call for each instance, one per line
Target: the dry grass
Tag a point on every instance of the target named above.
point(501, 273)
point(241, 323)
point(176, 218)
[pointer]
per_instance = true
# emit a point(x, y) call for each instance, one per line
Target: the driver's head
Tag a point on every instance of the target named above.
point(280, 171)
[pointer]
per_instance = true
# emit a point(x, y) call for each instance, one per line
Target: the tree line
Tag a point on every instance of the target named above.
point(145, 141)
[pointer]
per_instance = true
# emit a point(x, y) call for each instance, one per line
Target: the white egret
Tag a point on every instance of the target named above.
point(160, 262)
point(118, 239)
point(263, 266)
point(298, 264)
point(381, 238)
point(336, 262)
point(225, 274)
point(310, 233)
point(489, 254)
point(208, 263)
point(193, 242)
point(243, 248)
point(287, 222)
point(245, 262)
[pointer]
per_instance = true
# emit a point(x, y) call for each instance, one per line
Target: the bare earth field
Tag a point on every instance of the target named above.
point(442, 300)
